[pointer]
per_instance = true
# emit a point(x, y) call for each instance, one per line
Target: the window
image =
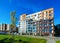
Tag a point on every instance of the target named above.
point(26, 20)
point(39, 14)
point(50, 14)
point(50, 29)
point(43, 30)
point(34, 15)
point(49, 11)
point(42, 24)
point(31, 20)
point(50, 20)
point(30, 30)
point(50, 24)
point(42, 12)
point(34, 27)
point(34, 30)
point(45, 20)
point(45, 24)
point(28, 17)
point(46, 12)
point(46, 30)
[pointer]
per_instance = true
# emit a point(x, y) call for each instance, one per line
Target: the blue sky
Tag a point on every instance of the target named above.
point(28, 7)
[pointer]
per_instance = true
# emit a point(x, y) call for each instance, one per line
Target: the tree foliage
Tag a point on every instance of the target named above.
point(57, 30)
point(13, 20)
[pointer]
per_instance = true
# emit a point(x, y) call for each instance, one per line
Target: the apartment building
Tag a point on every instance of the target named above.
point(22, 26)
point(39, 23)
point(4, 27)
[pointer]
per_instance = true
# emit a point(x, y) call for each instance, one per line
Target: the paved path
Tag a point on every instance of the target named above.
point(49, 39)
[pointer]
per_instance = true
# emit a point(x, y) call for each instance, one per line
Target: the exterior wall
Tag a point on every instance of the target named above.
point(22, 28)
point(41, 23)
point(8, 27)
point(46, 22)
point(4, 27)
point(23, 17)
point(0, 27)
point(31, 27)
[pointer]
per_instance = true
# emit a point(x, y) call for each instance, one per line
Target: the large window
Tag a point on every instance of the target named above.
point(50, 24)
point(34, 30)
point(29, 30)
point(50, 14)
point(30, 20)
point(34, 27)
point(26, 20)
point(46, 30)
point(34, 15)
point(50, 29)
point(28, 17)
point(50, 20)
point(45, 24)
point(45, 20)
point(50, 11)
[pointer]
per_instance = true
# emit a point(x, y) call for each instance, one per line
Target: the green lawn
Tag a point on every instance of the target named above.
point(57, 41)
point(20, 39)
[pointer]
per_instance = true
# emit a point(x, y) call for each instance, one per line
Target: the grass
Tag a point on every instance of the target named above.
point(57, 41)
point(21, 39)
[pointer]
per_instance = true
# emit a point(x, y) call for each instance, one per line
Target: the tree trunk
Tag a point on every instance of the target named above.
point(12, 34)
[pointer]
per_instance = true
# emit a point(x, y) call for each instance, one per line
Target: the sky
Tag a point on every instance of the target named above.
point(28, 7)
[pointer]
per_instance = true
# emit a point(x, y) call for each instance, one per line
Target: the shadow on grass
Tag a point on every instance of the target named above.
point(6, 40)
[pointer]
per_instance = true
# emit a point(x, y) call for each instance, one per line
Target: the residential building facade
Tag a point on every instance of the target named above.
point(4, 27)
point(39, 23)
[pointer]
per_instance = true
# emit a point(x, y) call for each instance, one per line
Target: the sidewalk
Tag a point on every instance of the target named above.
point(51, 40)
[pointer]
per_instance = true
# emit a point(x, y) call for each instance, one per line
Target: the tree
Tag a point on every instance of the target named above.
point(13, 23)
point(57, 30)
